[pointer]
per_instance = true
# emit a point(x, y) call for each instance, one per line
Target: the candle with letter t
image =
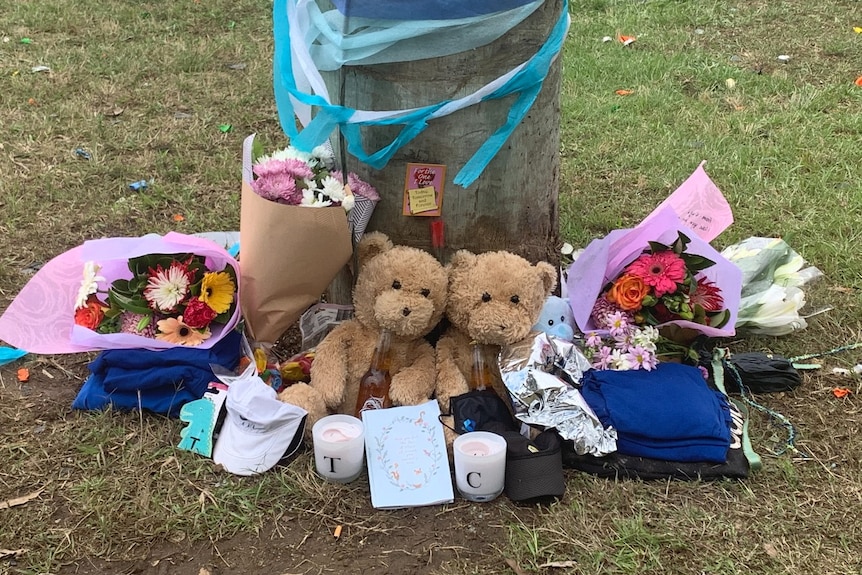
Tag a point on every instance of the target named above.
point(339, 447)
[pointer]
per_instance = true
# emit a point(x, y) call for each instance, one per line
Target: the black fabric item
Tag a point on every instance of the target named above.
point(477, 409)
point(628, 467)
point(761, 373)
point(620, 466)
point(534, 469)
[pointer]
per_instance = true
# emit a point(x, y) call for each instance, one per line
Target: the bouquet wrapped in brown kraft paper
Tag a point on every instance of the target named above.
point(299, 221)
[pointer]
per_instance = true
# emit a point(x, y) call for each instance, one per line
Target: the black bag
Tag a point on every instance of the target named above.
point(760, 373)
point(534, 468)
point(474, 410)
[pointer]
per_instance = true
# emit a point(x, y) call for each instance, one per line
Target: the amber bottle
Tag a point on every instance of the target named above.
point(481, 377)
point(374, 385)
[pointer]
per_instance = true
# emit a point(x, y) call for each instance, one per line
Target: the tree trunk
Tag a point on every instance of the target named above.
point(513, 204)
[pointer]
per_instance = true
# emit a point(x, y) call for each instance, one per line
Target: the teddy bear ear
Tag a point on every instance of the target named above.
point(372, 244)
point(461, 259)
point(548, 273)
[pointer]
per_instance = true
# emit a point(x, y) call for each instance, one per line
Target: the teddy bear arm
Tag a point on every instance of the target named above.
point(414, 383)
point(450, 379)
point(329, 370)
point(308, 398)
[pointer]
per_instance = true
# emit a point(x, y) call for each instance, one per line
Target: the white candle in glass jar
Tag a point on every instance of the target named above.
point(339, 447)
point(480, 465)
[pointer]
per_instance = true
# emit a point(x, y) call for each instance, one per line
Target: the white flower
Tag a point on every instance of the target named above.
point(772, 312)
point(90, 283)
point(738, 252)
point(324, 155)
point(321, 203)
point(646, 337)
point(348, 203)
point(619, 361)
point(307, 198)
point(787, 274)
point(291, 153)
point(166, 288)
point(333, 188)
point(312, 199)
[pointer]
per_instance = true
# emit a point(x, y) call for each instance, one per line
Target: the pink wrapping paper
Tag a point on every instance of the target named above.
point(700, 205)
point(604, 259)
point(41, 318)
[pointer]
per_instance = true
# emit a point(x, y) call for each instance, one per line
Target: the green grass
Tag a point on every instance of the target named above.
point(782, 144)
point(144, 87)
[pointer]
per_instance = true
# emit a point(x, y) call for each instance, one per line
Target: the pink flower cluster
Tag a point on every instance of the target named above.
point(661, 270)
point(276, 179)
point(357, 186)
point(664, 284)
point(626, 345)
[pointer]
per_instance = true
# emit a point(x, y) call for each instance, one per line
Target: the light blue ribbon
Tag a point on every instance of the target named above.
point(335, 40)
point(527, 83)
point(10, 354)
point(423, 9)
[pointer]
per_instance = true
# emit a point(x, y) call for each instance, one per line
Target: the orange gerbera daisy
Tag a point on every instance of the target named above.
point(174, 330)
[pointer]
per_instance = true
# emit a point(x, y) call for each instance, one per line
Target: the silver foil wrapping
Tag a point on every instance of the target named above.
point(541, 373)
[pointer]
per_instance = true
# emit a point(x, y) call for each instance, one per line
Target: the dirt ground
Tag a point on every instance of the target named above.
point(437, 539)
point(414, 541)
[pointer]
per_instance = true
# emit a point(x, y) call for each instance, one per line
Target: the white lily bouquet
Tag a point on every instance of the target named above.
point(773, 275)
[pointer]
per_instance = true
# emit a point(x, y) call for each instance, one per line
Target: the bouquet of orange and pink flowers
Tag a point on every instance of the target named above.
point(660, 273)
point(664, 283)
point(173, 298)
point(151, 292)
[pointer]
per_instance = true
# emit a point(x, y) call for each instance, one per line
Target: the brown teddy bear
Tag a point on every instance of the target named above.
point(399, 288)
point(494, 299)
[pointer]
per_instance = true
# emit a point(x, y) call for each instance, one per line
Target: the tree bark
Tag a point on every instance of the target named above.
point(513, 206)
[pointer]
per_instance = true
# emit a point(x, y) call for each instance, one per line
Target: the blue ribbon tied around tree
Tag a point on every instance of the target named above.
point(295, 99)
point(423, 9)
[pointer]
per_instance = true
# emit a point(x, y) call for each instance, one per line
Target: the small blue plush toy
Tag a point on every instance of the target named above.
point(556, 318)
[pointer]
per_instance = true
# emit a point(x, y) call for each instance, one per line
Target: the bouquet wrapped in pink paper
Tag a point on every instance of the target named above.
point(660, 273)
point(151, 292)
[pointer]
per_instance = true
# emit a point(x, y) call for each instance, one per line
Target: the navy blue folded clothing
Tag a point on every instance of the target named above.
point(668, 413)
point(157, 381)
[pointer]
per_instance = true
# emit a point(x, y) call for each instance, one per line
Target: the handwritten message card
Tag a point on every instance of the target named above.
point(423, 189)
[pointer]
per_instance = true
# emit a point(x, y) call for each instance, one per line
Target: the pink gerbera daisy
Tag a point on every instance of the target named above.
point(707, 295)
point(661, 270)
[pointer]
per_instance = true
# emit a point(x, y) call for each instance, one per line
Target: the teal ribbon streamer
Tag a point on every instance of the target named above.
point(527, 83)
point(841, 348)
point(10, 354)
point(336, 40)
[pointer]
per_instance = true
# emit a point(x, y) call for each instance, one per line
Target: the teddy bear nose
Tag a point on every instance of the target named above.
point(405, 312)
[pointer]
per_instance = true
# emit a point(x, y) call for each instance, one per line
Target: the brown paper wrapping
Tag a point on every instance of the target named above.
point(288, 257)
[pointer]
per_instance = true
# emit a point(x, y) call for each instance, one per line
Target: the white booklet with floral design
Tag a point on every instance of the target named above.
point(406, 455)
